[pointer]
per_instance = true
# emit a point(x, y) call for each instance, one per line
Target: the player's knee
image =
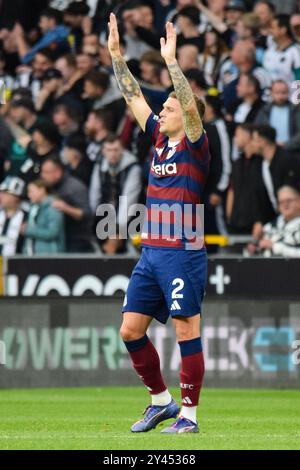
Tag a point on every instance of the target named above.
point(129, 334)
point(186, 330)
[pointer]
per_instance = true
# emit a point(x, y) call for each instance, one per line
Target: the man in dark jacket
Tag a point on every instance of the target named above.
point(277, 169)
point(116, 174)
point(283, 116)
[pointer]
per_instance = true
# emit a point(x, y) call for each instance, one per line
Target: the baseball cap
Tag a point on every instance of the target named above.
point(13, 185)
point(236, 5)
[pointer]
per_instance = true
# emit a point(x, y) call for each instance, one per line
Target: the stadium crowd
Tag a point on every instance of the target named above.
point(68, 143)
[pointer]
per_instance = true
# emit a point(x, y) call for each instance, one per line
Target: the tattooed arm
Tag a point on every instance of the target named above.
point(128, 85)
point(192, 121)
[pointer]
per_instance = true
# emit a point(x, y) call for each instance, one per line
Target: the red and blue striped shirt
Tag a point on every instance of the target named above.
point(176, 181)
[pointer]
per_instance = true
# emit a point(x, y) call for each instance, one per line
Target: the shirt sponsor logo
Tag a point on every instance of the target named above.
point(164, 169)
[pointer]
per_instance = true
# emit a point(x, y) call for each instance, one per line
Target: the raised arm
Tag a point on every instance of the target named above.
point(128, 85)
point(191, 117)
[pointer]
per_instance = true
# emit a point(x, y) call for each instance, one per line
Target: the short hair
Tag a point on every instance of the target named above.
point(279, 80)
point(270, 5)
point(48, 53)
point(76, 142)
point(72, 110)
point(48, 130)
point(215, 103)
point(98, 79)
point(55, 160)
point(246, 126)
point(286, 187)
point(70, 59)
point(111, 138)
point(190, 12)
point(284, 22)
point(266, 132)
point(53, 14)
point(103, 115)
point(153, 57)
point(40, 183)
point(199, 103)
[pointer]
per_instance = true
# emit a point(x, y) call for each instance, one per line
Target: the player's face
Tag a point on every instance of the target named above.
point(171, 118)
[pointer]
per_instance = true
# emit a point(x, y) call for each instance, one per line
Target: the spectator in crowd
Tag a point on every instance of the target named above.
point(220, 167)
point(44, 230)
point(73, 202)
point(249, 102)
point(281, 237)
point(197, 82)
point(77, 162)
point(215, 53)
point(265, 11)
point(55, 36)
point(151, 67)
point(96, 128)
point(287, 7)
point(67, 117)
point(132, 21)
point(140, 24)
point(72, 78)
point(277, 169)
point(6, 140)
point(44, 144)
point(248, 27)
point(188, 57)
point(12, 216)
point(32, 77)
point(242, 207)
point(101, 92)
point(283, 116)
point(243, 61)
point(295, 27)
point(22, 120)
point(49, 95)
point(85, 63)
point(224, 20)
point(118, 174)
point(76, 17)
point(188, 24)
point(283, 60)
point(91, 44)
point(136, 141)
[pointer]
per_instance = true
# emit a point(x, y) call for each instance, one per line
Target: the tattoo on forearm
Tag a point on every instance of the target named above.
point(184, 94)
point(181, 86)
point(127, 83)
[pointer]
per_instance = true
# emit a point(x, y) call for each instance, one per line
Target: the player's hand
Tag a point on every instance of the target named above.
point(168, 45)
point(113, 42)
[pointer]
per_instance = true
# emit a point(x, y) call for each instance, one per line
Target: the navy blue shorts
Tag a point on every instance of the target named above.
point(167, 282)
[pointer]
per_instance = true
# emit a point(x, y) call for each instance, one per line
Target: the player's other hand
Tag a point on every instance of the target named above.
point(168, 45)
point(113, 42)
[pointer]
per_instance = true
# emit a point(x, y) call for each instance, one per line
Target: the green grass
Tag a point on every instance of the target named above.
point(100, 418)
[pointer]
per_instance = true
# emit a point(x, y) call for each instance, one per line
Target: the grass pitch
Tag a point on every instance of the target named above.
point(100, 418)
